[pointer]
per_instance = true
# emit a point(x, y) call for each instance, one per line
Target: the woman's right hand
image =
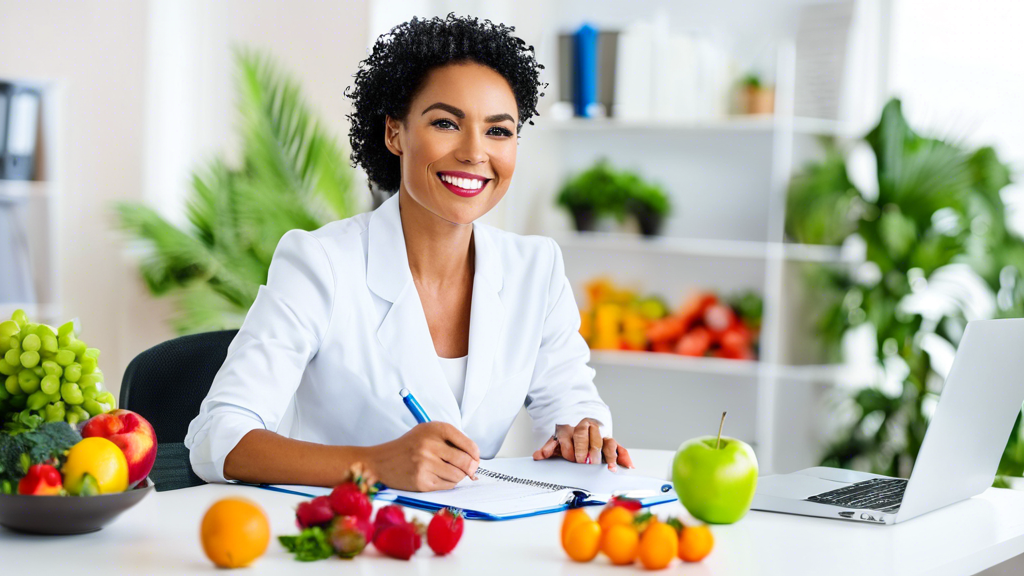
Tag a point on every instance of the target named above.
point(431, 456)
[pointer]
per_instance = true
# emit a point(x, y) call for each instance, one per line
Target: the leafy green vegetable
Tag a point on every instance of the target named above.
point(18, 451)
point(309, 545)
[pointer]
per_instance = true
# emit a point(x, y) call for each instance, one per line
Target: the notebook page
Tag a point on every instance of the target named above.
point(491, 496)
point(595, 479)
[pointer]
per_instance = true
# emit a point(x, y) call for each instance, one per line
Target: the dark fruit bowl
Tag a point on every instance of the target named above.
point(67, 514)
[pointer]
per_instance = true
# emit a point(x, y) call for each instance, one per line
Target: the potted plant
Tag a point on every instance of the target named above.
point(648, 202)
point(592, 194)
point(755, 97)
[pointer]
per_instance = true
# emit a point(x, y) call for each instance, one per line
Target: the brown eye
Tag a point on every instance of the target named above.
point(444, 124)
point(499, 131)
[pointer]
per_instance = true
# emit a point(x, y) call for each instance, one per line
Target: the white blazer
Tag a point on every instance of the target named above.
point(339, 329)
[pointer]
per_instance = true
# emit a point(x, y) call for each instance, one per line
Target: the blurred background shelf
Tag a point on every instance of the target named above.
point(21, 189)
point(744, 249)
point(739, 123)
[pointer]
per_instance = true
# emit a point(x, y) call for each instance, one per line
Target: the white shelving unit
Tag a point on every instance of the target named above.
point(728, 179)
point(36, 204)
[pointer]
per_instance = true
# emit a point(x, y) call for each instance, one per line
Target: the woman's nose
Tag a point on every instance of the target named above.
point(471, 149)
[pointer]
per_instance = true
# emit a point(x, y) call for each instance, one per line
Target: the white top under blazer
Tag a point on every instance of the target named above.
point(339, 329)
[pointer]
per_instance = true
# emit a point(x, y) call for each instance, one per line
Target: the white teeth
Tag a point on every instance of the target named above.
point(464, 183)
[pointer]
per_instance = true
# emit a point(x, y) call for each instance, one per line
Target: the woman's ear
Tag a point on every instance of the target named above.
point(391, 137)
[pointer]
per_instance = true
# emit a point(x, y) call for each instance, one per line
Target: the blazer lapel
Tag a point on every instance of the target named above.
point(487, 315)
point(404, 332)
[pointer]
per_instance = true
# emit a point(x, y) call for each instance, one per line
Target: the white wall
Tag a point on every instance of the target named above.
point(149, 96)
point(97, 49)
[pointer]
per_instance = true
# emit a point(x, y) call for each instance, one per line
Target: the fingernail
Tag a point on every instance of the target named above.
point(588, 458)
point(613, 467)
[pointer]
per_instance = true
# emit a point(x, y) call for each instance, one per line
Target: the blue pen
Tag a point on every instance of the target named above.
point(418, 412)
point(410, 402)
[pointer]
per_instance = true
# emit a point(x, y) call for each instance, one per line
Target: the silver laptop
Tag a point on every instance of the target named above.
point(961, 449)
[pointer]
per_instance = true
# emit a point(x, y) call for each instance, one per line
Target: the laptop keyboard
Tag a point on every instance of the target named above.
point(882, 494)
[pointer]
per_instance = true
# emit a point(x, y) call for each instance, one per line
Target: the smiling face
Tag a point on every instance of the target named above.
point(457, 143)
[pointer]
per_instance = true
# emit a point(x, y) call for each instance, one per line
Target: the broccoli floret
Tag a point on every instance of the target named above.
point(46, 442)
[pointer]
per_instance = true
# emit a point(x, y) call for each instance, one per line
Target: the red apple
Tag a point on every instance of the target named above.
point(132, 434)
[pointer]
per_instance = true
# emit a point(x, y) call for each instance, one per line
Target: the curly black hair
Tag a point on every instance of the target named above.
point(396, 68)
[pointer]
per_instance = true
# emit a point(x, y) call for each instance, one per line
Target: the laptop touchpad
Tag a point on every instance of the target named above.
point(795, 485)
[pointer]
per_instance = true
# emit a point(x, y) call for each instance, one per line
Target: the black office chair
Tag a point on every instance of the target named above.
point(166, 384)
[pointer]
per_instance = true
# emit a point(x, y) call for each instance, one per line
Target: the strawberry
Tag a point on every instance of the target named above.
point(349, 500)
point(349, 535)
point(399, 540)
point(315, 512)
point(388, 516)
point(444, 531)
point(627, 503)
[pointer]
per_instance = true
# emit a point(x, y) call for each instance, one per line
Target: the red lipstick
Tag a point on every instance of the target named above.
point(463, 183)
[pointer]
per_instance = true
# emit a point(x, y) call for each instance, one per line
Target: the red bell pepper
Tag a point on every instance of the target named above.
point(41, 480)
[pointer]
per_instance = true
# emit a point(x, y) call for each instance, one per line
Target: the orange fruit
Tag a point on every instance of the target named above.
point(234, 532)
point(613, 515)
point(583, 541)
point(99, 458)
point(620, 543)
point(695, 542)
point(658, 546)
point(571, 518)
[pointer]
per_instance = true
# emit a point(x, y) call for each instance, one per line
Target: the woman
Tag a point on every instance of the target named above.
point(476, 322)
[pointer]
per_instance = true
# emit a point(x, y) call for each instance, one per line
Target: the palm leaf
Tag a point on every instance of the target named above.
point(293, 175)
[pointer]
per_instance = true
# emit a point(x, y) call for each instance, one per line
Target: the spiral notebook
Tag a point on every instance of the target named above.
point(509, 488)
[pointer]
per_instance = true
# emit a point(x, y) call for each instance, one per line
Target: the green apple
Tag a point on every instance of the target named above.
point(715, 478)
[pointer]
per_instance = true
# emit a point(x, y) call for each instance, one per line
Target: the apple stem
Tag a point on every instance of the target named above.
point(720, 425)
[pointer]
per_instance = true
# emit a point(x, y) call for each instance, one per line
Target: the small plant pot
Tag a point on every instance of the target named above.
point(650, 222)
point(585, 219)
point(759, 100)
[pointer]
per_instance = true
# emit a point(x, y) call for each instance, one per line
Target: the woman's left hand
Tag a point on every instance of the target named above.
point(583, 444)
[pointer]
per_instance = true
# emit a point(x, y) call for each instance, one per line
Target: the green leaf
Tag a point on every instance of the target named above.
point(293, 175)
point(309, 545)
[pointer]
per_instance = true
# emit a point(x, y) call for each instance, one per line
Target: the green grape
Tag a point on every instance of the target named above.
point(8, 328)
point(93, 353)
point(108, 399)
point(71, 393)
point(30, 327)
point(44, 330)
point(11, 385)
point(73, 372)
point(64, 341)
point(38, 371)
point(72, 417)
point(4, 394)
point(20, 318)
point(90, 393)
point(13, 357)
point(14, 343)
point(28, 381)
point(66, 328)
point(37, 400)
point(65, 357)
point(6, 368)
point(93, 407)
point(49, 343)
point(50, 384)
point(88, 381)
point(31, 343)
point(98, 374)
point(89, 365)
point(29, 359)
point(78, 347)
point(55, 412)
point(52, 368)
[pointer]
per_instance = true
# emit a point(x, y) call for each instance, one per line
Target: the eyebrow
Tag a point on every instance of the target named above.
point(458, 113)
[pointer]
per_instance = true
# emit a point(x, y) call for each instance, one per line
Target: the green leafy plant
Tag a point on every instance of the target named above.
point(938, 216)
point(292, 175)
point(604, 191)
point(596, 189)
point(751, 80)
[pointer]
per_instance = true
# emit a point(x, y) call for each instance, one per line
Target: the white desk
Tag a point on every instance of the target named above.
point(161, 536)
